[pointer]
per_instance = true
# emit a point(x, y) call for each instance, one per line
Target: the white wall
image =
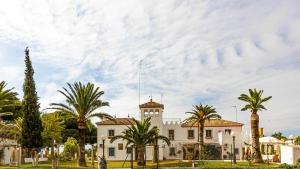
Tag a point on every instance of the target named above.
point(289, 154)
point(179, 139)
point(103, 130)
point(8, 150)
point(182, 133)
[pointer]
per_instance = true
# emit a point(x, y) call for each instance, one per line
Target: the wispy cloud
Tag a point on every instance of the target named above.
point(192, 51)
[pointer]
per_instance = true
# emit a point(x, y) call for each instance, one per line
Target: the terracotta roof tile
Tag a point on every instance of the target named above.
point(215, 123)
point(152, 104)
point(116, 121)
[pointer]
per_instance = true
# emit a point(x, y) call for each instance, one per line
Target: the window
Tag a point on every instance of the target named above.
point(236, 150)
point(128, 150)
point(228, 131)
point(172, 151)
point(208, 134)
point(111, 133)
point(190, 134)
point(171, 134)
point(111, 151)
point(120, 146)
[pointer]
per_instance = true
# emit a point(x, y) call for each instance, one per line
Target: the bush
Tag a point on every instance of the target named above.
point(285, 166)
point(70, 148)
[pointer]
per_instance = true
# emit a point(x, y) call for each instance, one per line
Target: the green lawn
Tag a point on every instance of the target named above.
point(167, 163)
point(223, 164)
point(111, 164)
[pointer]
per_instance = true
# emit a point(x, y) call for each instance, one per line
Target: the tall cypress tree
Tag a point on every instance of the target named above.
point(32, 124)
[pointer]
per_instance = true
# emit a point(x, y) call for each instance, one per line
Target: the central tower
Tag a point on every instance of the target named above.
point(153, 110)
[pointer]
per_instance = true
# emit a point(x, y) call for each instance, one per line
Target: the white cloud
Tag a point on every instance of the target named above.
point(192, 51)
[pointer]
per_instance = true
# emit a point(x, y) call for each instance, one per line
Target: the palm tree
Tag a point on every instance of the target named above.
point(12, 129)
point(7, 98)
point(254, 103)
point(140, 134)
point(82, 102)
point(199, 115)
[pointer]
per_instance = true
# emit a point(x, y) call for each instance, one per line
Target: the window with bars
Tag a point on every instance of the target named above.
point(171, 135)
point(111, 133)
point(172, 151)
point(191, 134)
point(208, 134)
point(111, 151)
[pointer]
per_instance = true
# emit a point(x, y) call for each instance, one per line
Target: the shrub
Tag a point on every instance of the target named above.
point(285, 166)
point(70, 148)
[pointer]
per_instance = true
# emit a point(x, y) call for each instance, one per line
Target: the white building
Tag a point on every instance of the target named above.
point(183, 136)
point(289, 154)
point(9, 151)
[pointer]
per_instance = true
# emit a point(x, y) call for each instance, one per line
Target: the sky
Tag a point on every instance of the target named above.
point(187, 52)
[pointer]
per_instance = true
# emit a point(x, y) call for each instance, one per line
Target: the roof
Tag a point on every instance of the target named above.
point(116, 121)
point(214, 123)
point(208, 123)
point(269, 140)
point(152, 104)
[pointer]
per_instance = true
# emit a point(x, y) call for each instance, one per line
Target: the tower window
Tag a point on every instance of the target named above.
point(228, 131)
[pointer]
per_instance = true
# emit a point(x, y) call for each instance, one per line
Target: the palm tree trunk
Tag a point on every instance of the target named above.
point(140, 154)
point(81, 159)
point(255, 138)
point(201, 141)
point(155, 150)
point(198, 141)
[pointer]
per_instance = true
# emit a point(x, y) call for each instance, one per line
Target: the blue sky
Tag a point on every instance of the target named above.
point(192, 52)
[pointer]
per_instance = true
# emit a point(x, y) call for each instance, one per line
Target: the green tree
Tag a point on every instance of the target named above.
point(199, 115)
point(278, 135)
point(32, 125)
point(71, 128)
point(53, 126)
point(297, 140)
point(140, 134)
point(70, 148)
point(254, 103)
point(82, 100)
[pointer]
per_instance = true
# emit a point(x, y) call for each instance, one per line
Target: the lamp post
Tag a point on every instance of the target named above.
point(92, 156)
point(157, 163)
point(233, 147)
point(103, 164)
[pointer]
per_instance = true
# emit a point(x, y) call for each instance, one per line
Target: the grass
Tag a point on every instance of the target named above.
point(111, 164)
point(223, 165)
point(166, 163)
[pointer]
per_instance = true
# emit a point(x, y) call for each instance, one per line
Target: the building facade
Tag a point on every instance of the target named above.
point(218, 137)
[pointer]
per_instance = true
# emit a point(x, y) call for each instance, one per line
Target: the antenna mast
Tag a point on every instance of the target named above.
point(140, 65)
point(235, 112)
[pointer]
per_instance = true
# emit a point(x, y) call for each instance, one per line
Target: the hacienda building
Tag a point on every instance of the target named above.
point(218, 136)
